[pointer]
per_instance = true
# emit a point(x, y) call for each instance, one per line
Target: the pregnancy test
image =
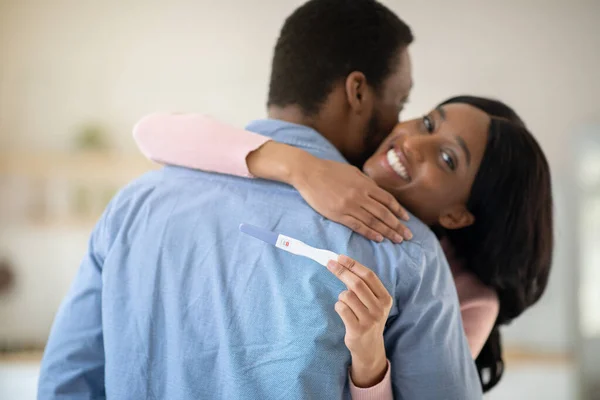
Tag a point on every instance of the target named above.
point(289, 244)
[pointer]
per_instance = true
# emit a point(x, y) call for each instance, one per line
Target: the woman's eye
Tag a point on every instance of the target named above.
point(428, 123)
point(448, 160)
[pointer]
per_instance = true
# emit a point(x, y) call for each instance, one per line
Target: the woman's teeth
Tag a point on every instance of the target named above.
point(396, 165)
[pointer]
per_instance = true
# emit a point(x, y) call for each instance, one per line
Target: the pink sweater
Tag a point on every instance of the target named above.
point(199, 142)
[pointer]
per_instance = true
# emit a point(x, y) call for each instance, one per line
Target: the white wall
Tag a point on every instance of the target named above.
point(64, 63)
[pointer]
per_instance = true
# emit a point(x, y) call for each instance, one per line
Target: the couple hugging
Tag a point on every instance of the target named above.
point(444, 223)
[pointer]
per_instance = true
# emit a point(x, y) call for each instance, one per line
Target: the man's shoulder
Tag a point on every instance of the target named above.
point(172, 180)
point(418, 260)
point(144, 183)
point(131, 195)
point(423, 237)
point(422, 246)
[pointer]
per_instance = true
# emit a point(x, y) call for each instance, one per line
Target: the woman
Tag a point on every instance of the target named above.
point(482, 184)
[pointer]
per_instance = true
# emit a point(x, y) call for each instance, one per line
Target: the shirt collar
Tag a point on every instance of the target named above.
point(296, 135)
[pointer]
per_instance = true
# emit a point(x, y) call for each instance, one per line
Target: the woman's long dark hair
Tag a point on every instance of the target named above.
point(509, 246)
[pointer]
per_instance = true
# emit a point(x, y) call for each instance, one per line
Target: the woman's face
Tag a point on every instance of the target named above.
point(429, 164)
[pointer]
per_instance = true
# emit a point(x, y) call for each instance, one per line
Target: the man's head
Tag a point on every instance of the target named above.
point(342, 67)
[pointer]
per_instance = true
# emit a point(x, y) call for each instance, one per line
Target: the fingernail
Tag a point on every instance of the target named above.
point(330, 264)
point(379, 238)
point(408, 235)
point(398, 238)
point(405, 217)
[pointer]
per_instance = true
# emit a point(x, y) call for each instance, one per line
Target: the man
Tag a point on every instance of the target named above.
point(172, 302)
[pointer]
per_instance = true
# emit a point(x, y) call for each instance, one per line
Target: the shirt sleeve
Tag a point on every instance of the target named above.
point(73, 361)
point(196, 141)
point(478, 320)
point(381, 391)
point(425, 341)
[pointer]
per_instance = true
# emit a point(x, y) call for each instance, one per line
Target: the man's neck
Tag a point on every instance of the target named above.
point(292, 114)
point(295, 115)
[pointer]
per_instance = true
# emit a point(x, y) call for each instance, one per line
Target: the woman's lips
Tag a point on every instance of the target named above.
point(397, 162)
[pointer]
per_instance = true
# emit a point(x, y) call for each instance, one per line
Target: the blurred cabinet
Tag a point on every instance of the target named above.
point(49, 203)
point(62, 189)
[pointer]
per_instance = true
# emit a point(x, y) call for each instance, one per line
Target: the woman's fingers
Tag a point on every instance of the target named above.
point(344, 194)
point(360, 228)
point(365, 274)
point(371, 212)
point(374, 215)
point(389, 202)
point(355, 284)
point(348, 317)
point(359, 204)
point(353, 302)
point(392, 224)
point(372, 222)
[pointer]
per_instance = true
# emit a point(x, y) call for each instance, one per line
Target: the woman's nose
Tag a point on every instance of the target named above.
point(414, 147)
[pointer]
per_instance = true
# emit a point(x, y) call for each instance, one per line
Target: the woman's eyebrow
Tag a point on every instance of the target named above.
point(442, 112)
point(463, 145)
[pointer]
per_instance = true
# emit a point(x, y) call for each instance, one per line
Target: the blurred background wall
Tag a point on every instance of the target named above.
point(76, 75)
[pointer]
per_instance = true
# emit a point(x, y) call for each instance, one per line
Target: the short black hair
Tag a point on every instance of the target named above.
point(323, 41)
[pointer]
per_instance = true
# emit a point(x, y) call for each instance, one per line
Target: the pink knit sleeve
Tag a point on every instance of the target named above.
point(381, 391)
point(479, 304)
point(196, 141)
point(479, 316)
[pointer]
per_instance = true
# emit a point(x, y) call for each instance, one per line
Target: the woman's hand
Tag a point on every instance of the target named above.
point(345, 195)
point(339, 192)
point(342, 193)
point(364, 309)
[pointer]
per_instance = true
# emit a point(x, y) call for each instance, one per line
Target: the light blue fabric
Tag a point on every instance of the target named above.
point(173, 302)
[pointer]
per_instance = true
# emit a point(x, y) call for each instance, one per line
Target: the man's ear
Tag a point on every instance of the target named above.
point(456, 217)
point(357, 92)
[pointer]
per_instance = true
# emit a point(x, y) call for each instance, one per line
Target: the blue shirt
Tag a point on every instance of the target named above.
point(173, 302)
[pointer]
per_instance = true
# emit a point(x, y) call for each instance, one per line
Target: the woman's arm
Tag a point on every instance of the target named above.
point(478, 323)
point(196, 141)
point(479, 306)
point(338, 191)
point(381, 391)
point(364, 309)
